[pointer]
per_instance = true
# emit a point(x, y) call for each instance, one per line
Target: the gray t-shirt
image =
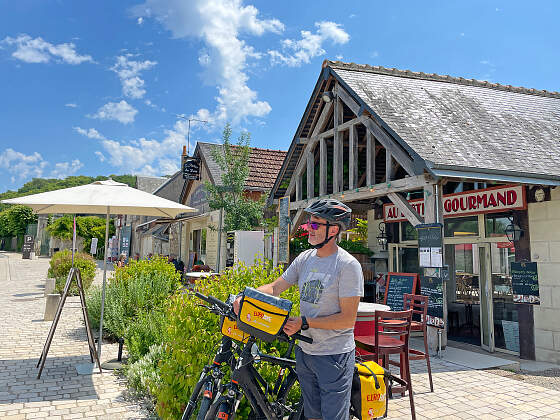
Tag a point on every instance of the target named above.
point(321, 282)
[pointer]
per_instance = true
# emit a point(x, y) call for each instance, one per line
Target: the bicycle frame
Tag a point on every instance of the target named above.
point(246, 381)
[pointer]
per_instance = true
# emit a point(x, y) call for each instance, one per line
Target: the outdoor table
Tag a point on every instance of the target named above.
point(365, 320)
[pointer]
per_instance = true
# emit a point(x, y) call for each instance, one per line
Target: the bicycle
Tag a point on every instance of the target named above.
point(212, 374)
point(247, 382)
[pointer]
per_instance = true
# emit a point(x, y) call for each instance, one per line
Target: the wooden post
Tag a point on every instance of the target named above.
point(370, 158)
point(388, 165)
point(299, 186)
point(310, 174)
point(352, 158)
point(322, 167)
point(336, 150)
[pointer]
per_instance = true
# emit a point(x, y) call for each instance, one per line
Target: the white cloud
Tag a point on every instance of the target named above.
point(375, 54)
point(220, 24)
point(71, 105)
point(20, 165)
point(118, 111)
point(140, 20)
point(100, 155)
point(37, 50)
point(64, 169)
point(297, 52)
point(142, 156)
point(129, 72)
point(91, 133)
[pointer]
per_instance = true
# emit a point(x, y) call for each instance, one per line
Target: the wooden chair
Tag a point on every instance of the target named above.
point(419, 305)
point(390, 336)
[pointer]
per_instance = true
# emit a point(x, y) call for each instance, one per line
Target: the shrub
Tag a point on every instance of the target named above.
point(192, 335)
point(355, 247)
point(60, 265)
point(143, 375)
point(134, 302)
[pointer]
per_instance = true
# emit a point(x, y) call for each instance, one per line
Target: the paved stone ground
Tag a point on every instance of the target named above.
point(460, 393)
point(60, 393)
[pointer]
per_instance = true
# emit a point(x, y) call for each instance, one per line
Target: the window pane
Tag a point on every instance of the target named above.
point(496, 224)
point(461, 226)
point(409, 232)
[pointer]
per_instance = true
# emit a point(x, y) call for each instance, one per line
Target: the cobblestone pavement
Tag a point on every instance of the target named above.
point(460, 393)
point(60, 393)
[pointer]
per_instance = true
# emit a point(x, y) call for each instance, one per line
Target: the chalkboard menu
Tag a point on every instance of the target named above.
point(284, 230)
point(525, 282)
point(27, 248)
point(397, 285)
point(433, 288)
point(125, 240)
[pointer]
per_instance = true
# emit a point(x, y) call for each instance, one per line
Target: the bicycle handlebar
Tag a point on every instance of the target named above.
point(227, 308)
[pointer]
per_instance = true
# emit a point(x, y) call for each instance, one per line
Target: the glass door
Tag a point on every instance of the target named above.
point(486, 307)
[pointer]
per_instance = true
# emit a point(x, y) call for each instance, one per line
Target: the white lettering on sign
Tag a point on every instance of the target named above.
point(490, 200)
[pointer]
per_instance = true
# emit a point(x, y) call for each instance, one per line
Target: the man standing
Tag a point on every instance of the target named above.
point(331, 283)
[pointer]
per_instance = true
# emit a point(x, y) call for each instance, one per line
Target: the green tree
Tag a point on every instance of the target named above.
point(14, 220)
point(87, 227)
point(241, 211)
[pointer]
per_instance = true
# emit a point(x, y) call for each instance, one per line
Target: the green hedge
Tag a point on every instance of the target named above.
point(60, 265)
point(134, 303)
point(193, 333)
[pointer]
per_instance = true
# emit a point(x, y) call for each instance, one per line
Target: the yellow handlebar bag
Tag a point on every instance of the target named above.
point(262, 315)
point(369, 391)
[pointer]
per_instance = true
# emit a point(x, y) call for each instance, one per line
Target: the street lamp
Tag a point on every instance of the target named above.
point(513, 232)
point(327, 96)
point(189, 129)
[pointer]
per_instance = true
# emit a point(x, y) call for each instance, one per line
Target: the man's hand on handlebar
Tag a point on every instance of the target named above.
point(293, 325)
point(236, 304)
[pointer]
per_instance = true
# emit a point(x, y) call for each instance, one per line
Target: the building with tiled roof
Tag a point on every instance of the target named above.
point(477, 162)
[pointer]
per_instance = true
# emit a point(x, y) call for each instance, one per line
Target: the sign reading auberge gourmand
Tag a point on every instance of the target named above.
point(490, 200)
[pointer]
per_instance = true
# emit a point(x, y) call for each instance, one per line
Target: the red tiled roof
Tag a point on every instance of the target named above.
point(264, 165)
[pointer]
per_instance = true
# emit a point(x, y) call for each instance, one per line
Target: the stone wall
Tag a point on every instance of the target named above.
point(544, 226)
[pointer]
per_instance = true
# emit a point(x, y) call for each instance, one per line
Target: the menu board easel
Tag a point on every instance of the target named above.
point(397, 285)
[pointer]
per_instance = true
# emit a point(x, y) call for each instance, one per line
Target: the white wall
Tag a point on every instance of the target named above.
point(544, 228)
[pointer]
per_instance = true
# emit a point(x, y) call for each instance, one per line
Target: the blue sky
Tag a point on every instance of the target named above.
point(94, 88)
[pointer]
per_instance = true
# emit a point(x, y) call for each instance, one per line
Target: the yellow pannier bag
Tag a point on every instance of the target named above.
point(369, 391)
point(262, 315)
point(229, 329)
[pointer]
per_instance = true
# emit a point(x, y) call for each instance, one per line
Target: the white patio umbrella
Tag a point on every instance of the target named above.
point(101, 197)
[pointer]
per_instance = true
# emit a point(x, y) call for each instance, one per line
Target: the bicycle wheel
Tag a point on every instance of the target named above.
point(221, 409)
point(204, 407)
point(197, 399)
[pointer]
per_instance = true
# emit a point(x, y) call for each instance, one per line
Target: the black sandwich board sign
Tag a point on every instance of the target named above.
point(397, 285)
point(28, 245)
point(525, 282)
point(191, 169)
point(433, 288)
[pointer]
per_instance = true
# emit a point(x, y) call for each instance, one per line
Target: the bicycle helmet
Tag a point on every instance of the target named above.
point(334, 212)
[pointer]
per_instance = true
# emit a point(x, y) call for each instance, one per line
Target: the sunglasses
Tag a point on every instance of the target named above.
point(315, 225)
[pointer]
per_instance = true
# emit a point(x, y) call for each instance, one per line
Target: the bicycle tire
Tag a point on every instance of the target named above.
point(204, 407)
point(214, 411)
point(193, 401)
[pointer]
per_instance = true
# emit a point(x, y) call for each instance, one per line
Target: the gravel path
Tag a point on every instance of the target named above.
point(549, 379)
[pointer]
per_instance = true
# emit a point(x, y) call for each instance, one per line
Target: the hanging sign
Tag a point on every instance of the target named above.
point(525, 282)
point(284, 230)
point(490, 200)
point(397, 285)
point(191, 169)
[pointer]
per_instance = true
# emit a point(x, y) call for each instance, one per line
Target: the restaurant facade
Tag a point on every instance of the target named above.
point(478, 160)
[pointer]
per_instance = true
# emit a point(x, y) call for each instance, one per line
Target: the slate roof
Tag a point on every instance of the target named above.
point(171, 189)
point(456, 122)
point(149, 183)
point(264, 165)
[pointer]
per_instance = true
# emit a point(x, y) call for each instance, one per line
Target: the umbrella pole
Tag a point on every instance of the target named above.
point(73, 240)
point(103, 287)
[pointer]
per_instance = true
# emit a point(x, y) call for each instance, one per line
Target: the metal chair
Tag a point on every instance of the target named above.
point(390, 336)
point(419, 305)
